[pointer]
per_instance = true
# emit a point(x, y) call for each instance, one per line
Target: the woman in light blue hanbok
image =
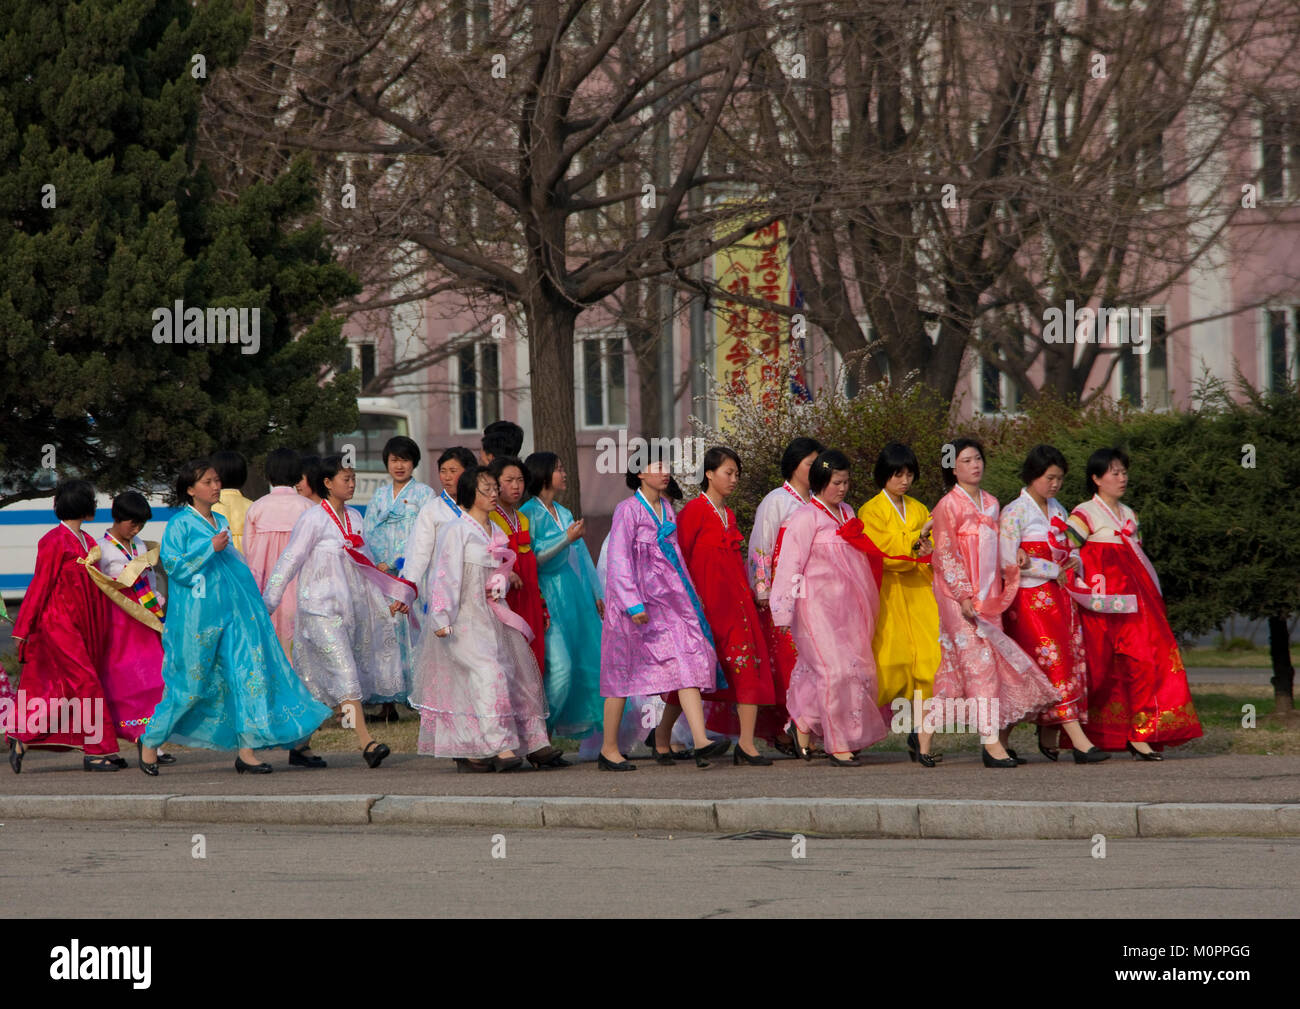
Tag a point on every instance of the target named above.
point(574, 599)
point(387, 529)
point(226, 682)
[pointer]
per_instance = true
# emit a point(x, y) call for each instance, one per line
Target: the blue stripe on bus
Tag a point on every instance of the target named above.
point(14, 581)
point(35, 517)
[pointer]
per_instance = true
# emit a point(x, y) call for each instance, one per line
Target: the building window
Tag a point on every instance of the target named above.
point(1157, 365)
point(998, 391)
point(1279, 152)
point(478, 385)
point(366, 359)
point(1144, 378)
point(602, 383)
point(1281, 327)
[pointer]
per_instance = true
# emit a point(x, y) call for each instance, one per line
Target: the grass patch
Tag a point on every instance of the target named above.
point(1232, 658)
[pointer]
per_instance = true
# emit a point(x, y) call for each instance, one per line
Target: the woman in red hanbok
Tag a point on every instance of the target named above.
point(713, 548)
point(61, 633)
point(1042, 618)
point(1138, 698)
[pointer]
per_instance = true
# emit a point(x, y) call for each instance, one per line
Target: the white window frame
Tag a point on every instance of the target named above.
point(580, 339)
point(461, 341)
point(1143, 360)
point(1263, 363)
point(1290, 166)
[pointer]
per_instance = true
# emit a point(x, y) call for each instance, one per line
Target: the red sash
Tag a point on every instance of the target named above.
point(852, 532)
point(391, 586)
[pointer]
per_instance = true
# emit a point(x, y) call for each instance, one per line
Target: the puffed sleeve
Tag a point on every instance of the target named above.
point(49, 556)
point(949, 566)
point(690, 523)
point(762, 543)
point(187, 549)
point(621, 585)
point(420, 546)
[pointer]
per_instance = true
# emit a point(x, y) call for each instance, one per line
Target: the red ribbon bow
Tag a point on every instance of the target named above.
point(520, 540)
point(1058, 533)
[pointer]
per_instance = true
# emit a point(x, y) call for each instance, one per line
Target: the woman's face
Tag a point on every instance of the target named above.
point(342, 485)
point(400, 469)
point(207, 489)
point(969, 466)
point(486, 498)
point(1049, 484)
point(900, 483)
point(448, 473)
point(511, 486)
point(838, 489)
point(1114, 482)
point(304, 488)
point(656, 476)
point(800, 475)
point(725, 478)
point(559, 480)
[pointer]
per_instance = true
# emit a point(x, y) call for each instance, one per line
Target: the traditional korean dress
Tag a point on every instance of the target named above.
point(64, 620)
point(345, 639)
point(267, 527)
point(823, 590)
point(1042, 618)
point(764, 548)
point(422, 545)
point(387, 529)
point(647, 574)
point(478, 690)
point(133, 655)
point(997, 683)
point(234, 506)
point(569, 585)
point(906, 643)
point(226, 682)
point(526, 600)
point(1137, 686)
point(714, 552)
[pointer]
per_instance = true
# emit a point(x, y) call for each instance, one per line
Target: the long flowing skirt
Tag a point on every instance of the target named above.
point(132, 674)
point(1044, 622)
point(572, 648)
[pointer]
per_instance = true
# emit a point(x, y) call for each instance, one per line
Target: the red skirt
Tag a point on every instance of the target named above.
point(1045, 623)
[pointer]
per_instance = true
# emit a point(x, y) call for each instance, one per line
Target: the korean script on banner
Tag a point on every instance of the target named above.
point(751, 340)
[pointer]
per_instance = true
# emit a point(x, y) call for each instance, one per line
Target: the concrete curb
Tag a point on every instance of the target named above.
point(963, 819)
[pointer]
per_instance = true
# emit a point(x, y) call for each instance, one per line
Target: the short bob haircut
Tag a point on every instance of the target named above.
point(231, 467)
point(541, 467)
point(503, 438)
point(826, 465)
point(329, 468)
point(283, 467)
point(893, 459)
point(1040, 459)
point(501, 463)
point(459, 453)
point(310, 467)
point(131, 506)
point(467, 484)
point(189, 474)
point(796, 452)
point(401, 447)
point(1099, 464)
point(74, 499)
point(714, 458)
point(959, 446)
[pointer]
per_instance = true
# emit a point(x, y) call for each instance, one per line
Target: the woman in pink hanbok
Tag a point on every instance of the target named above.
point(823, 590)
point(267, 528)
point(987, 675)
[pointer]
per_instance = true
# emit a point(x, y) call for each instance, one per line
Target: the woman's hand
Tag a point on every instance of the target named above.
point(925, 529)
point(515, 581)
point(220, 540)
point(575, 530)
point(398, 607)
point(1022, 559)
point(382, 567)
point(968, 610)
point(442, 632)
point(600, 608)
point(641, 618)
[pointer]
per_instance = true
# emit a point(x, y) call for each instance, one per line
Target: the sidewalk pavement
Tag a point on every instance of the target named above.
point(1183, 796)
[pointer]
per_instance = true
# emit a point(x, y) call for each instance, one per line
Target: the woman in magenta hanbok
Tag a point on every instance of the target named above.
point(824, 591)
point(267, 528)
point(990, 679)
point(655, 638)
point(61, 633)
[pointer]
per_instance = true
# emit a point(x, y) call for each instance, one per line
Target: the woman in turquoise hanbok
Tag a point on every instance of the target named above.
point(573, 597)
point(226, 682)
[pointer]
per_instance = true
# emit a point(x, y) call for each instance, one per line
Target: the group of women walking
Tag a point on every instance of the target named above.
point(478, 605)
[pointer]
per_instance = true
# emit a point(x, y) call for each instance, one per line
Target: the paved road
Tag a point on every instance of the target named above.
point(87, 869)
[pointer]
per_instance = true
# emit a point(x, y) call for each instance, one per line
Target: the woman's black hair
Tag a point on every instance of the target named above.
point(824, 467)
point(959, 446)
point(131, 506)
point(893, 459)
point(190, 473)
point(796, 452)
point(503, 438)
point(283, 467)
point(461, 454)
point(231, 467)
point(402, 447)
point(714, 458)
point(310, 469)
point(74, 499)
point(1040, 459)
point(1099, 464)
point(500, 463)
point(329, 468)
point(467, 484)
point(541, 466)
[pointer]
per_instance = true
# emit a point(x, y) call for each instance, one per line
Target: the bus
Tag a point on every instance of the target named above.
point(25, 522)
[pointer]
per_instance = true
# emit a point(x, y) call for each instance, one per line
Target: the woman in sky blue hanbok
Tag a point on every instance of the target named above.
point(387, 528)
point(574, 599)
point(226, 682)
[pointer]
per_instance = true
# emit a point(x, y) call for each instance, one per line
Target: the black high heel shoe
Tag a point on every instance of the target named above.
point(299, 759)
point(149, 769)
point(243, 768)
point(375, 752)
point(605, 764)
point(915, 755)
point(992, 761)
point(1052, 753)
point(165, 758)
point(1139, 755)
point(739, 756)
point(16, 755)
point(1094, 756)
point(835, 761)
point(548, 756)
point(799, 749)
point(715, 749)
point(1015, 756)
point(98, 764)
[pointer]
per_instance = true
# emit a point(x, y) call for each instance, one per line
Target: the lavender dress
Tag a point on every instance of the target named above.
point(673, 650)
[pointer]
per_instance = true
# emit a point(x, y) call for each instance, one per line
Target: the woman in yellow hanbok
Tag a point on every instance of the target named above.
point(906, 643)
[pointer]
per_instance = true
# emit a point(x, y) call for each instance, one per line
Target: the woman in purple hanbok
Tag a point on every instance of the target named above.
point(655, 639)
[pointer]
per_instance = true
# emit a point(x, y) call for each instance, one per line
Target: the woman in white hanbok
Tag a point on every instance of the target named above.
point(477, 686)
point(345, 645)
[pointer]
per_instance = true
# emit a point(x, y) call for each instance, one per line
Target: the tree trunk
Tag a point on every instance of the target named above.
point(550, 364)
point(1279, 647)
